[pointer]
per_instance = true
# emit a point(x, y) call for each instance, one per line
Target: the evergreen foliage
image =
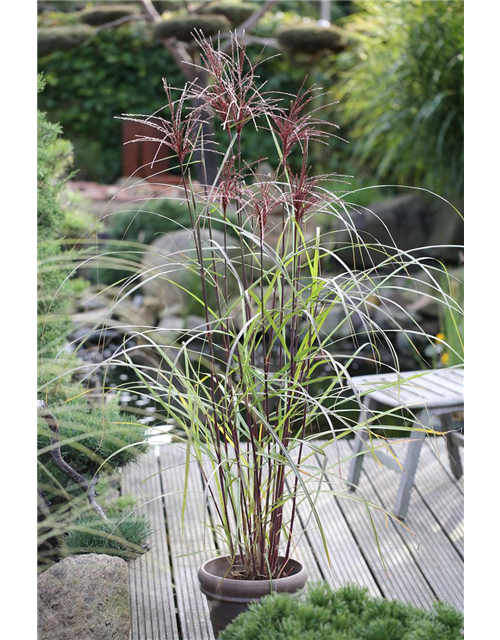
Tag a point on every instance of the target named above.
point(346, 614)
point(90, 437)
point(62, 38)
point(235, 12)
point(182, 28)
point(102, 14)
point(125, 536)
point(311, 39)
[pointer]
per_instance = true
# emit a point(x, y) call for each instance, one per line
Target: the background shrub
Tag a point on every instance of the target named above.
point(182, 28)
point(401, 92)
point(312, 39)
point(102, 14)
point(120, 71)
point(235, 12)
point(63, 38)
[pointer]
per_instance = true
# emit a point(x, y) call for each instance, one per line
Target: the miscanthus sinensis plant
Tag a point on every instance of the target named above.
point(268, 371)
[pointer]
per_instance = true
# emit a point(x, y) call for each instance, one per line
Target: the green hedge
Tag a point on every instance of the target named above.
point(346, 614)
point(401, 93)
point(120, 71)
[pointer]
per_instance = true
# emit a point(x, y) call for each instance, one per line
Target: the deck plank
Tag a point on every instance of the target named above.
point(190, 544)
point(347, 561)
point(432, 550)
point(154, 616)
point(442, 495)
point(403, 579)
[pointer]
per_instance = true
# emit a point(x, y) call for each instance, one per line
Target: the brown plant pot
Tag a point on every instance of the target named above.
point(227, 597)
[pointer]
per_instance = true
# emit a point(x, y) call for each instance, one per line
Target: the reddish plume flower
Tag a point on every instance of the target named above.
point(303, 194)
point(232, 93)
point(293, 126)
point(264, 199)
point(179, 132)
point(229, 187)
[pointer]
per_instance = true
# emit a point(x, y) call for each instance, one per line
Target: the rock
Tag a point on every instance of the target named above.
point(168, 330)
point(413, 221)
point(195, 323)
point(171, 263)
point(129, 313)
point(84, 597)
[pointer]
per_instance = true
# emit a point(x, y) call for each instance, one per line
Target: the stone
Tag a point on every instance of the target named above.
point(84, 597)
point(167, 331)
point(171, 267)
point(410, 222)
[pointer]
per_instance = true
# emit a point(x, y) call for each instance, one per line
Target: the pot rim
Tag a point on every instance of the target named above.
point(220, 588)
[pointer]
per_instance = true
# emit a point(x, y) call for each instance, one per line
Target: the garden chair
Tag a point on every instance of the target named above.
point(427, 394)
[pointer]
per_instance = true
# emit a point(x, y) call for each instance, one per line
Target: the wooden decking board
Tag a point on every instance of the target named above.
point(151, 578)
point(348, 563)
point(403, 579)
point(163, 578)
point(301, 547)
point(437, 446)
point(434, 553)
point(190, 546)
point(443, 498)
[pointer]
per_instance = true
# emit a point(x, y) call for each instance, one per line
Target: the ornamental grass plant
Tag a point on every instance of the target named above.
point(261, 386)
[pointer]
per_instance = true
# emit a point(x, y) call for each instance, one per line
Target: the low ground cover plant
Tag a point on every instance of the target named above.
point(346, 614)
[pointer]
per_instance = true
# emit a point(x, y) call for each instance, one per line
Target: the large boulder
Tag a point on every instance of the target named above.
point(410, 221)
point(84, 597)
point(172, 272)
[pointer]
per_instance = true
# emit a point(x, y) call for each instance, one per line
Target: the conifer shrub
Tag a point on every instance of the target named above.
point(182, 28)
point(235, 12)
point(125, 536)
point(312, 39)
point(348, 613)
point(102, 14)
point(62, 38)
point(92, 440)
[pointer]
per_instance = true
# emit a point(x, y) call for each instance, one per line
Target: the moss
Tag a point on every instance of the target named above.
point(182, 28)
point(63, 38)
point(235, 12)
point(102, 14)
point(312, 39)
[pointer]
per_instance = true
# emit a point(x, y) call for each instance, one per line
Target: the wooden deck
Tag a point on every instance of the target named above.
point(420, 567)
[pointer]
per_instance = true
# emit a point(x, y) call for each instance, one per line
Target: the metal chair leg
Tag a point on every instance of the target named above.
point(410, 468)
point(359, 445)
point(453, 450)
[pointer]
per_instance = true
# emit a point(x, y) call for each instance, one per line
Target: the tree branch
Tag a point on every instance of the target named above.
point(151, 13)
point(89, 488)
point(181, 55)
